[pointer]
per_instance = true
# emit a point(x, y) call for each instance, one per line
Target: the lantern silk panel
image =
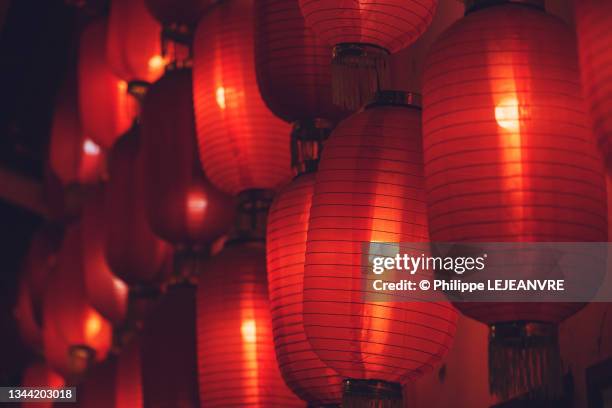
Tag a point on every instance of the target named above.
point(508, 154)
point(134, 42)
point(133, 252)
point(389, 24)
point(293, 66)
point(105, 107)
point(170, 12)
point(370, 189)
point(40, 375)
point(302, 369)
point(242, 144)
point(182, 206)
point(594, 38)
point(236, 361)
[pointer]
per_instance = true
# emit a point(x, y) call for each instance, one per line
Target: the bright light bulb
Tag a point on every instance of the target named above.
point(90, 147)
point(249, 331)
point(507, 114)
point(220, 95)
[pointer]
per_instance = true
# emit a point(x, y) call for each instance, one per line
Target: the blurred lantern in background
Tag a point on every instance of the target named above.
point(242, 145)
point(40, 375)
point(503, 117)
point(134, 44)
point(73, 157)
point(363, 35)
point(369, 190)
point(77, 334)
point(594, 38)
point(236, 361)
point(106, 109)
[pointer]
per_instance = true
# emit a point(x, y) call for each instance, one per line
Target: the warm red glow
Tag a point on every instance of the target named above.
point(93, 325)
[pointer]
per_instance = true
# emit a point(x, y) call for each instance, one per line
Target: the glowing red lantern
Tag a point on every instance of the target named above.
point(236, 360)
point(508, 157)
point(129, 377)
point(170, 378)
point(107, 293)
point(182, 206)
point(370, 189)
point(170, 12)
point(293, 70)
point(106, 109)
point(76, 333)
point(133, 252)
point(242, 145)
point(40, 375)
point(301, 368)
point(594, 38)
point(73, 157)
point(134, 42)
point(363, 34)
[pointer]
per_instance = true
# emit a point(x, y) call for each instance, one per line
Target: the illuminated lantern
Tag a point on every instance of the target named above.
point(168, 347)
point(129, 377)
point(508, 157)
point(105, 107)
point(181, 12)
point(242, 145)
point(107, 293)
point(181, 205)
point(236, 361)
point(133, 252)
point(134, 43)
point(293, 70)
point(40, 375)
point(363, 35)
point(73, 157)
point(76, 333)
point(369, 189)
point(594, 38)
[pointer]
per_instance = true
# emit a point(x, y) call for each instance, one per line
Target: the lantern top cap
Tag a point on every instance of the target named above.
point(395, 98)
point(475, 5)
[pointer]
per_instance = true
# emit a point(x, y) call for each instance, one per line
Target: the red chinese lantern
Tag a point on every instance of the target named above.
point(76, 333)
point(133, 252)
point(107, 293)
point(363, 35)
point(370, 189)
point(134, 42)
point(236, 361)
point(181, 205)
point(293, 70)
point(105, 107)
point(594, 38)
point(168, 347)
point(302, 369)
point(508, 157)
point(73, 157)
point(182, 12)
point(40, 375)
point(129, 377)
point(242, 145)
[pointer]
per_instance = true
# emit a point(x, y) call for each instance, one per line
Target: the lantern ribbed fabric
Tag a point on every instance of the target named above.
point(236, 361)
point(72, 157)
point(182, 206)
point(242, 145)
point(106, 109)
point(134, 42)
point(170, 12)
point(68, 313)
point(509, 157)
point(129, 377)
point(389, 24)
point(301, 368)
point(168, 347)
point(133, 252)
point(507, 150)
point(108, 294)
point(594, 39)
point(370, 189)
point(293, 70)
point(40, 375)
